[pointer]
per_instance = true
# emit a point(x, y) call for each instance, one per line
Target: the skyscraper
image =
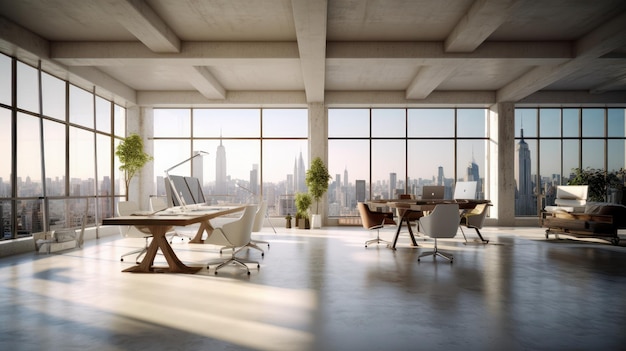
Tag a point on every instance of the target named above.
point(299, 174)
point(221, 182)
point(392, 185)
point(524, 199)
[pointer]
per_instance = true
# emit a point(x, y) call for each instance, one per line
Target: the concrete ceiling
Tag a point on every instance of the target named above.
point(232, 50)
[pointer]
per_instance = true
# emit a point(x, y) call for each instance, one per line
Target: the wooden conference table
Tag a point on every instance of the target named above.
point(159, 223)
point(411, 210)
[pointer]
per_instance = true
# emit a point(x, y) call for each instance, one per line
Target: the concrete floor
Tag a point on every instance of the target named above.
point(322, 290)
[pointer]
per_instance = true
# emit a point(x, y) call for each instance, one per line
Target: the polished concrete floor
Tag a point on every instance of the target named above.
point(323, 290)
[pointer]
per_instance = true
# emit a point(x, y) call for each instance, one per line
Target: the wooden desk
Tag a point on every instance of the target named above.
point(158, 224)
point(414, 209)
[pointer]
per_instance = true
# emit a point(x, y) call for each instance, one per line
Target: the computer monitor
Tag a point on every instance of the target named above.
point(195, 188)
point(433, 192)
point(465, 190)
point(183, 190)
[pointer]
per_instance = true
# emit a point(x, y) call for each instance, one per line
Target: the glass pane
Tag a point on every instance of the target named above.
point(285, 123)
point(82, 165)
point(81, 107)
point(5, 84)
point(104, 164)
point(593, 122)
point(54, 157)
point(28, 156)
point(27, 88)
point(616, 158)
point(168, 153)
point(7, 220)
point(525, 119)
point(593, 154)
point(471, 123)
point(388, 171)
point(431, 123)
point(118, 182)
point(6, 146)
point(550, 122)
point(549, 166)
point(29, 217)
point(471, 165)
point(172, 122)
point(230, 163)
point(119, 120)
point(226, 123)
point(349, 167)
point(571, 156)
point(525, 177)
point(53, 96)
point(388, 123)
point(617, 127)
point(431, 162)
point(278, 173)
point(105, 206)
point(348, 123)
point(68, 213)
point(103, 115)
point(571, 122)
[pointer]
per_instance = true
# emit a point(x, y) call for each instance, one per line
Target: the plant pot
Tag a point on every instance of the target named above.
point(287, 223)
point(316, 221)
point(303, 223)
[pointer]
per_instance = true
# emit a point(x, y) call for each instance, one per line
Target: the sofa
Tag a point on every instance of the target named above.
point(597, 219)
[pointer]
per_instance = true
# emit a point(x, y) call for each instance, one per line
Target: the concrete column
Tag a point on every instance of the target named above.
point(318, 143)
point(501, 162)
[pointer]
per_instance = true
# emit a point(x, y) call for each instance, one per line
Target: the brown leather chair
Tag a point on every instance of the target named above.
point(375, 220)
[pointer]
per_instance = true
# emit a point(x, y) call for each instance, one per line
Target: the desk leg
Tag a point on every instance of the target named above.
point(204, 227)
point(408, 225)
point(160, 242)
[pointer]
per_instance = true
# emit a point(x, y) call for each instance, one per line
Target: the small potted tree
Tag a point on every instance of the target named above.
point(317, 178)
point(288, 221)
point(303, 201)
point(132, 157)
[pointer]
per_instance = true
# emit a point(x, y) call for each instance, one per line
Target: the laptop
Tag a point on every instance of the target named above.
point(433, 192)
point(465, 190)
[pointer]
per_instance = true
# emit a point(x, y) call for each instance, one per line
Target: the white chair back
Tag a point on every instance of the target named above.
point(259, 217)
point(443, 221)
point(158, 203)
point(239, 232)
point(127, 208)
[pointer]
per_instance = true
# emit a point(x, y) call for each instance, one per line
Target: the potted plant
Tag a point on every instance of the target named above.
point(132, 157)
point(317, 178)
point(303, 201)
point(599, 181)
point(288, 221)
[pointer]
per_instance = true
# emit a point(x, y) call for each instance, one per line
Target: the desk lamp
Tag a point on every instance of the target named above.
point(172, 186)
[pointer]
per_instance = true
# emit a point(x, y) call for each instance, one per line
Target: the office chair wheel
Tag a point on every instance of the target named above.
point(262, 254)
point(248, 272)
point(122, 259)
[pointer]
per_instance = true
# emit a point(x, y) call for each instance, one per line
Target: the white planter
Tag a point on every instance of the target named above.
point(316, 221)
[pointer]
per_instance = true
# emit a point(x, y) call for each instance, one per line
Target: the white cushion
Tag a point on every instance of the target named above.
point(572, 192)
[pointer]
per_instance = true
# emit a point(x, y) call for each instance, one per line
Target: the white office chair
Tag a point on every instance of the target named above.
point(474, 218)
point(127, 208)
point(442, 222)
point(233, 235)
point(159, 204)
point(257, 226)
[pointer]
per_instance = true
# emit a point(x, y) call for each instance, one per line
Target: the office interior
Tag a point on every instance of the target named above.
point(316, 289)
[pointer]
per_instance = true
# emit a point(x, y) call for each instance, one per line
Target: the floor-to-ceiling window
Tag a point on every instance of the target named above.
point(57, 140)
point(251, 153)
point(552, 142)
point(382, 153)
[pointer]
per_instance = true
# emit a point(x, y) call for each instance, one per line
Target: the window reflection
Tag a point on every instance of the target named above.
point(28, 156)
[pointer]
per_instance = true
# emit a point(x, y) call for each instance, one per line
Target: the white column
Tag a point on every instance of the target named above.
point(318, 143)
point(501, 162)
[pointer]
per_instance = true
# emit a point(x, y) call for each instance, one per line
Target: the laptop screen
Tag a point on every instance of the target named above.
point(465, 190)
point(433, 192)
